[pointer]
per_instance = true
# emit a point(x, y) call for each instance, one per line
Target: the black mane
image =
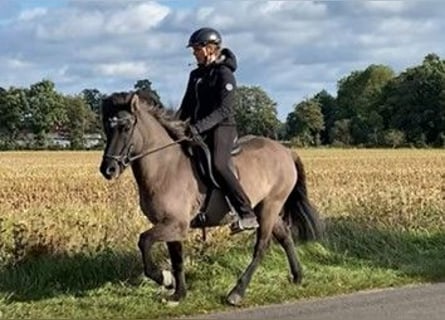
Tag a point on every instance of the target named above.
point(149, 102)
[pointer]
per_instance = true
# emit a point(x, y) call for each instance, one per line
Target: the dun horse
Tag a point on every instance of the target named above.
point(143, 135)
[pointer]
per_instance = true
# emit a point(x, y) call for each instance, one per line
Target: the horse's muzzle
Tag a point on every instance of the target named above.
point(110, 169)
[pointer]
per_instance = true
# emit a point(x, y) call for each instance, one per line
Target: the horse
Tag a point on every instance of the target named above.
point(144, 136)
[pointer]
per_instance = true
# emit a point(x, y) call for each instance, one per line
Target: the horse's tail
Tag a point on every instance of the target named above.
point(302, 216)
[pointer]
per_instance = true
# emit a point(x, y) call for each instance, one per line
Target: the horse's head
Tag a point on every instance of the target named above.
point(135, 124)
point(123, 137)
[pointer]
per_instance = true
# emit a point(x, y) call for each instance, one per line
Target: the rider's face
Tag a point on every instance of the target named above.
point(200, 53)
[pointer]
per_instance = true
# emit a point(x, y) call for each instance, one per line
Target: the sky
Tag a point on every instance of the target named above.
point(291, 49)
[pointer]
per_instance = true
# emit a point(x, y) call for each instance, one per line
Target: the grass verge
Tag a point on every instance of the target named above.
point(109, 284)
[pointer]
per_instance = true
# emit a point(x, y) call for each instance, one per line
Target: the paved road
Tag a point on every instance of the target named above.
point(409, 303)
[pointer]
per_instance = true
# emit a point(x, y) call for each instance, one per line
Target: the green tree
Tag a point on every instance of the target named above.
point(45, 110)
point(394, 138)
point(329, 109)
point(341, 133)
point(93, 99)
point(12, 113)
point(256, 112)
point(306, 123)
point(78, 121)
point(359, 97)
point(414, 102)
point(145, 84)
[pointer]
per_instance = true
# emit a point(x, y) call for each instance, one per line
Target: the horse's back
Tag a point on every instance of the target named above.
point(264, 147)
point(265, 166)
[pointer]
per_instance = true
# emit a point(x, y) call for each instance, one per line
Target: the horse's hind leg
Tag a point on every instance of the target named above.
point(282, 234)
point(267, 218)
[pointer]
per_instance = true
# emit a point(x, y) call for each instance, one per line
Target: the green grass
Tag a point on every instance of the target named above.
point(109, 284)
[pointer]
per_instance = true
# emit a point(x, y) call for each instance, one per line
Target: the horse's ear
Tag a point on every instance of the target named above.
point(134, 103)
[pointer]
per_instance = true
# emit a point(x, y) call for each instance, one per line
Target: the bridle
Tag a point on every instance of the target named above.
point(124, 158)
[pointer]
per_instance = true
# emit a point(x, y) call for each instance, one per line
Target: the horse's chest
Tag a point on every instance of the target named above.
point(151, 210)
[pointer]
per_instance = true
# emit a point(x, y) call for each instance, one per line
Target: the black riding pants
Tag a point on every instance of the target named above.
point(220, 142)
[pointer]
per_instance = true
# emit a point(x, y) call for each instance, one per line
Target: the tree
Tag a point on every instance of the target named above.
point(358, 99)
point(255, 112)
point(414, 102)
point(394, 138)
point(78, 121)
point(341, 133)
point(12, 110)
point(305, 123)
point(145, 84)
point(93, 99)
point(329, 109)
point(45, 110)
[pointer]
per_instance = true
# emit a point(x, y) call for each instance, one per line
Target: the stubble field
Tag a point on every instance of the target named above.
point(68, 237)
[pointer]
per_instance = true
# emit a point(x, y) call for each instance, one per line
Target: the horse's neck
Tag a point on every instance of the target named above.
point(157, 169)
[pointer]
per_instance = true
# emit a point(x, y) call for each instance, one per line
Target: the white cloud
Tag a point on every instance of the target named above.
point(122, 69)
point(15, 63)
point(293, 49)
point(136, 19)
point(32, 13)
point(75, 23)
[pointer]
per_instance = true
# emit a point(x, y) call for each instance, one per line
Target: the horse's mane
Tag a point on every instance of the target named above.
point(150, 103)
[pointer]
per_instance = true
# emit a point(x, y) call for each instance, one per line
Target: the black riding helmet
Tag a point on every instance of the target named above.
point(203, 36)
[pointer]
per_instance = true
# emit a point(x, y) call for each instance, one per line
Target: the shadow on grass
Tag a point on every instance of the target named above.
point(51, 276)
point(347, 243)
point(419, 254)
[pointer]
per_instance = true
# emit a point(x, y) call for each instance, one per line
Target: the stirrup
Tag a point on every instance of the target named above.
point(199, 221)
point(243, 224)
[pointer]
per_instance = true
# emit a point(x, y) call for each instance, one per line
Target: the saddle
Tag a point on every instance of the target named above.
point(203, 160)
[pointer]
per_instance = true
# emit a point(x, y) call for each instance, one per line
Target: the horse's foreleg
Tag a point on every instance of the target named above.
point(173, 232)
point(177, 259)
point(151, 270)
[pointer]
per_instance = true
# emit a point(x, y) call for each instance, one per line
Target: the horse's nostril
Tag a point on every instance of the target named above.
point(111, 170)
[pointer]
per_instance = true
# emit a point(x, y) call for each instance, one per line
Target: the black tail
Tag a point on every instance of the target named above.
point(303, 217)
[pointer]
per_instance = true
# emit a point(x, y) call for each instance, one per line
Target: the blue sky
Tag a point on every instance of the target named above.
point(292, 49)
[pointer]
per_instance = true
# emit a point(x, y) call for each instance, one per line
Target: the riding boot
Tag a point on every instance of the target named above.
point(247, 217)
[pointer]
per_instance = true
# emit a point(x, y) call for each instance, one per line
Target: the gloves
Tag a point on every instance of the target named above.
point(193, 134)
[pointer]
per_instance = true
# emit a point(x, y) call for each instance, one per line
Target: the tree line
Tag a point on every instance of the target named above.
point(374, 107)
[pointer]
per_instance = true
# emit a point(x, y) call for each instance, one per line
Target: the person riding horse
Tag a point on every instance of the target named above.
point(208, 104)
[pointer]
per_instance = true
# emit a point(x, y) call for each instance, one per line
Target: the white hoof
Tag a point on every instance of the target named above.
point(234, 299)
point(168, 280)
point(170, 303)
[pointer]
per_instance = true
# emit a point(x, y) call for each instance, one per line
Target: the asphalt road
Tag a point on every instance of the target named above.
point(408, 303)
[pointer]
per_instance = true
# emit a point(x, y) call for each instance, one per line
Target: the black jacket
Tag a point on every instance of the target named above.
point(210, 96)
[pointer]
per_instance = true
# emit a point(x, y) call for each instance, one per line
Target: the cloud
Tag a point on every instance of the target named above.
point(293, 49)
point(122, 69)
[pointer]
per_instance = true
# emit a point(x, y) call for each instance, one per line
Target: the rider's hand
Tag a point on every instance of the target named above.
point(193, 134)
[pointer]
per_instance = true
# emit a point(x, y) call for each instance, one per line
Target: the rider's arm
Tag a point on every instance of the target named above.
point(225, 91)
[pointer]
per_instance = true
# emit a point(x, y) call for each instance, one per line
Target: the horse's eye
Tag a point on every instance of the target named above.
point(127, 127)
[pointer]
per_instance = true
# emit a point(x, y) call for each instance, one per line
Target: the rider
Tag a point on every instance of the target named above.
point(209, 105)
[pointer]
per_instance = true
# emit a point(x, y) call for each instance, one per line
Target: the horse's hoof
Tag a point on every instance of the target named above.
point(169, 302)
point(295, 279)
point(168, 281)
point(174, 299)
point(234, 299)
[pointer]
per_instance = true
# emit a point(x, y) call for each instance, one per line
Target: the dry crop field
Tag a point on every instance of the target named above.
point(68, 237)
point(57, 202)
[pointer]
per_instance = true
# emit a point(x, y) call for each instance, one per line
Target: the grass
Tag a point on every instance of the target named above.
point(110, 284)
point(68, 238)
